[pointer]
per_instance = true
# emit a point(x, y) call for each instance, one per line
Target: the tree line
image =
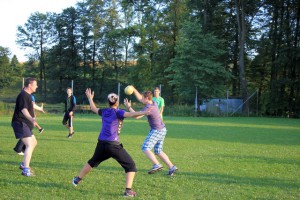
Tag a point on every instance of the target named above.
point(214, 46)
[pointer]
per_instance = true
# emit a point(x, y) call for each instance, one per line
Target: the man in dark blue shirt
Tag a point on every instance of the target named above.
point(70, 106)
point(23, 121)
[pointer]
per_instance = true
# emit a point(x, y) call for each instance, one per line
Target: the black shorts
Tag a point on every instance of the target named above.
point(21, 130)
point(105, 150)
point(67, 119)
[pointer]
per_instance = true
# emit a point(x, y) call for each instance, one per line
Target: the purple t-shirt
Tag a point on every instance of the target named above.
point(154, 117)
point(110, 123)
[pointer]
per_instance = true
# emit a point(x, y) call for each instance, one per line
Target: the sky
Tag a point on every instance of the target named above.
point(17, 12)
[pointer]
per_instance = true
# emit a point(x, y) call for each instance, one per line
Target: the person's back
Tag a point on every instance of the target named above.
point(110, 123)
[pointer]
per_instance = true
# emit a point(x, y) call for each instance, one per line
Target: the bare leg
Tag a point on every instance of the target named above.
point(71, 129)
point(129, 179)
point(85, 170)
point(30, 143)
point(151, 156)
point(164, 157)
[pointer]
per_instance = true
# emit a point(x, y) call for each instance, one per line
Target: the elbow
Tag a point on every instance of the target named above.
point(94, 109)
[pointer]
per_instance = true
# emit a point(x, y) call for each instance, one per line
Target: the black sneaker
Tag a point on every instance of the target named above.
point(129, 193)
point(21, 153)
point(41, 130)
point(70, 135)
point(76, 181)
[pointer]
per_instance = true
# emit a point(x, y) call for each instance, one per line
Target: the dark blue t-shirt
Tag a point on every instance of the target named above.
point(24, 100)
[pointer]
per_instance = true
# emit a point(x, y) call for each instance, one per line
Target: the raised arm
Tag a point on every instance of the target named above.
point(90, 95)
point(137, 95)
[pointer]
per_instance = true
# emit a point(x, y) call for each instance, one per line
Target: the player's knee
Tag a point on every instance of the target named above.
point(93, 163)
point(131, 168)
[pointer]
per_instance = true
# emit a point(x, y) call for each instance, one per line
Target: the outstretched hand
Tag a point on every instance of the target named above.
point(127, 103)
point(89, 94)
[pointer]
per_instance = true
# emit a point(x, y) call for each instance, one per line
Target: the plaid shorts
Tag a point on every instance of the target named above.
point(155, 139)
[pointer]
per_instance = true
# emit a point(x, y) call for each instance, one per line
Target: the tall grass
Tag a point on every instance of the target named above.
point(218, 158)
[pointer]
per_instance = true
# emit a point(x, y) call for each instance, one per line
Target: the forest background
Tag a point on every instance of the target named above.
point(214, 47)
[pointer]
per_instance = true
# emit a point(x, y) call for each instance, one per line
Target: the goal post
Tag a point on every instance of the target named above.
point(248, 101)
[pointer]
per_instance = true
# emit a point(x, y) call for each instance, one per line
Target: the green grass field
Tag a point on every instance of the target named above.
point(218, 158)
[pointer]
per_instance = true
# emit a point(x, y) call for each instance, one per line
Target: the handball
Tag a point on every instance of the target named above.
point(128, 90)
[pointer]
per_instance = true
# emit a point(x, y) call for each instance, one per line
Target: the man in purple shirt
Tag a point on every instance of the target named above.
point(108, 145)
point(156, 136)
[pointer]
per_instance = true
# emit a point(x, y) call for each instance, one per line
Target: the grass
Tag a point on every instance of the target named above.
point(218, 158)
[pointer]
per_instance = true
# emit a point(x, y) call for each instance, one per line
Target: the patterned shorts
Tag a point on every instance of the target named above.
point(155, 139)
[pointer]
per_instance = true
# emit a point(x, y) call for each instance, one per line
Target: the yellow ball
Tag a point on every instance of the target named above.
point(128, 90)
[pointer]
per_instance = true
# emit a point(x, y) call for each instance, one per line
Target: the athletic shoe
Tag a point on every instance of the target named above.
point(172, 171)
point(27, 172)
point(41, 130)
point(22, 166)
point(19, 153)
point(76, 181)
point(129, 193)
point(155, 168)
point(70, 135)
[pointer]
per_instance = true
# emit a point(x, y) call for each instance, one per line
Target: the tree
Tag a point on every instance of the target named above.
point(35, 36)
point(112, 46)
point(97, 21)
point(195, 64)
point(16, 68)
point(5, 77)
point(242, 33)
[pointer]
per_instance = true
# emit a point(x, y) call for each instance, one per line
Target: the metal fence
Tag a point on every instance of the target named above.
point(231, 106)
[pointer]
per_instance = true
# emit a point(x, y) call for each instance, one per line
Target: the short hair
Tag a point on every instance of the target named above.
point(148, 94)
point(157, 88)
point(28, 81)
point(69, 88)
point(112, 99)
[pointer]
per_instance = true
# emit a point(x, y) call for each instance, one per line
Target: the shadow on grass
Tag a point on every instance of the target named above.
point(62, 166)
point(231, 180)
point(261, 159)
point(28, 181)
